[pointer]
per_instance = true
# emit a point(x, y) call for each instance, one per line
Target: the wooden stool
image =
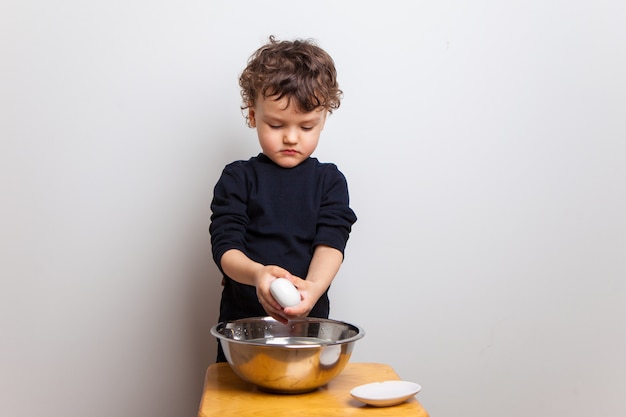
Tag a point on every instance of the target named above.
point(226, 394)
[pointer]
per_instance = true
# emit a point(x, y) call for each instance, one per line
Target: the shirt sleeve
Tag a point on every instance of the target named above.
point(336, 217)
point(229, 216)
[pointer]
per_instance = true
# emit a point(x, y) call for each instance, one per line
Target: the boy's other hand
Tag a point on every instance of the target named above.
point(310, 292)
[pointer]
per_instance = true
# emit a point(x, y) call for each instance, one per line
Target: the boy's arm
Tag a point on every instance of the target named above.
point(239, 267)
point(244, 270)
point(324, 266)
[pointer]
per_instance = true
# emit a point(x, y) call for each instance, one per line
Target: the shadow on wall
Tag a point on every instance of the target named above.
point(229, 145)
point(202, 294)
point(204, 297)
point(203, 279)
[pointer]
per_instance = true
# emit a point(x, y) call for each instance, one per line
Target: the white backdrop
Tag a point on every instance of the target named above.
point(485, 147)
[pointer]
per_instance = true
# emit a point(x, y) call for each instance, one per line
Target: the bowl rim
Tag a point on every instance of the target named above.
point(360, 332)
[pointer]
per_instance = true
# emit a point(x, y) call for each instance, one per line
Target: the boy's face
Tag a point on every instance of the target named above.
point(287, 136)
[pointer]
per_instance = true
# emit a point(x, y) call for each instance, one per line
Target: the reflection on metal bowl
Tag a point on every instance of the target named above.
point(297, 357)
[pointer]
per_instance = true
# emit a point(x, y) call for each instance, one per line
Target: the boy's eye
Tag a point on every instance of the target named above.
point(275, 126)
point(306, 128)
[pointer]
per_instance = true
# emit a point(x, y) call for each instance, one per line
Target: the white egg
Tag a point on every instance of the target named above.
point(285, 292)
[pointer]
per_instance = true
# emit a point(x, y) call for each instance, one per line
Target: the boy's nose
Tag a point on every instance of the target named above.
point(290, 136)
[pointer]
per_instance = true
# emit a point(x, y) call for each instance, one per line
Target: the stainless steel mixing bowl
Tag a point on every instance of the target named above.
point(287, 358)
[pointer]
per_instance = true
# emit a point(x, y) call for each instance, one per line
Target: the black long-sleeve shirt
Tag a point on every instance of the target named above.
point(277, 216)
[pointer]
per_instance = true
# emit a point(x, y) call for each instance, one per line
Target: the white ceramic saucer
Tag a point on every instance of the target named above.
point(386, 393)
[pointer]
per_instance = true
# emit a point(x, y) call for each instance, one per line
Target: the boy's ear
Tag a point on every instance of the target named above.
point(251, 117)
point(324, 118)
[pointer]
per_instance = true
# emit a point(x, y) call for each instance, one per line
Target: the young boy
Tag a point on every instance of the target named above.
point(282, 213)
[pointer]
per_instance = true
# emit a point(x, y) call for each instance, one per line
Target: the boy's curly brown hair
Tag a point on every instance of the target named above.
point(298, 70)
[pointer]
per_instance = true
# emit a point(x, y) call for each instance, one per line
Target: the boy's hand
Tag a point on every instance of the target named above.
point(310, 292)
point(322, 270)
point(263, 279)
